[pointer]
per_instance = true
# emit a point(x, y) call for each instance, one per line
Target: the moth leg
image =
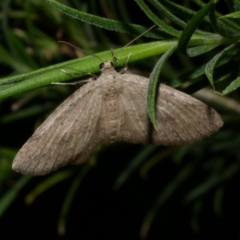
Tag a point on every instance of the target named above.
point(94, 77)
point(74, 83)
point(125, 67)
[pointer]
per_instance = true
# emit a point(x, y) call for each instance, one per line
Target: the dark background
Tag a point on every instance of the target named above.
point(98, 210)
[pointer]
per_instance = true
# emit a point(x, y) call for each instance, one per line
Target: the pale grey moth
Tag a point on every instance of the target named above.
point(111, 109)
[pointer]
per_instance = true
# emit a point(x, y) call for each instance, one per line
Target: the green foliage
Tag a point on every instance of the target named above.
point(194, 44)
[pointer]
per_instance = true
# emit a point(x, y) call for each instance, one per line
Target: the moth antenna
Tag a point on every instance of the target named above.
point(81, 50)
point(114, 55)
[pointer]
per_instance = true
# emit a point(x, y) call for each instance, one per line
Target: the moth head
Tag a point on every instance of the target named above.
point(106, 65)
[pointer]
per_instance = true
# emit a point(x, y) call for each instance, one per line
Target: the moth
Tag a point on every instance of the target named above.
point(113, 108)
